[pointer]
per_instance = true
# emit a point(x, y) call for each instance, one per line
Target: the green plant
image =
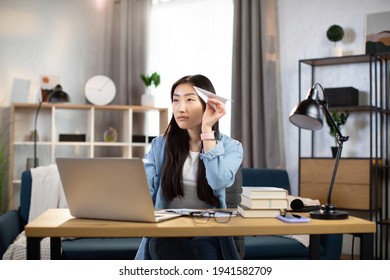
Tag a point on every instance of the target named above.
point(4, 199)
point(153, 79)
point(339, 118)
point(335, 33)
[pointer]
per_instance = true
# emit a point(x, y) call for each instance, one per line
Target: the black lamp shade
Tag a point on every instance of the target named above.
point(58, 95)
point(307, 115)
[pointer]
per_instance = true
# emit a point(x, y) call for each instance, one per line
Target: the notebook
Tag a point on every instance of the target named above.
point(109, 189)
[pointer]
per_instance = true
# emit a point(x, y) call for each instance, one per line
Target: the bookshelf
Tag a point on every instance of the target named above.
point(76, 119)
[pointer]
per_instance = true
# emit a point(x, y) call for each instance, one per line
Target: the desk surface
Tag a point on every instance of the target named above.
point(59, 223)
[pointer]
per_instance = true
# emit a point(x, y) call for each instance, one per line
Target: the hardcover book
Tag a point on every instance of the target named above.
point(264, 203)
point(258, 213)
point(264, 192)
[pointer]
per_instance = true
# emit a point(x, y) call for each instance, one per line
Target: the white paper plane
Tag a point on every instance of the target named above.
point(205, 94)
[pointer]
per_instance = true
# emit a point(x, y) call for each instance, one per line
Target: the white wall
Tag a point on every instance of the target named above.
point(303, 25)
point(65, 38)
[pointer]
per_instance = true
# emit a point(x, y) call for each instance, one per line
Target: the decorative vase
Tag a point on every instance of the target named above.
point(110, 135)
point(336, 51)
point(147, 99)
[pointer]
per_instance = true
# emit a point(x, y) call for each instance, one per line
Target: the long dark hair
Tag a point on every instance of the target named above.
point(177, 150)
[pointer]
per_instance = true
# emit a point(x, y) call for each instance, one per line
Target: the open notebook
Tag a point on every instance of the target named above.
point(109, 189)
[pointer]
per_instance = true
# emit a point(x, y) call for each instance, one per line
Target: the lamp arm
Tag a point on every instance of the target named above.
point(340, 140)
point(336, 165)
point(324, 105)
point(329, 116)
point(35, 134)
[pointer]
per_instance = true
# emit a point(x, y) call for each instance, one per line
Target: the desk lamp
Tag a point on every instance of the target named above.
point(56, 95)
point(308, 115)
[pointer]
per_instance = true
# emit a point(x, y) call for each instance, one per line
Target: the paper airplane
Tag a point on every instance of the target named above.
point(205, 94)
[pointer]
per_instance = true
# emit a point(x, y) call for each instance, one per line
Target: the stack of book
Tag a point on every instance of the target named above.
point(262, 202)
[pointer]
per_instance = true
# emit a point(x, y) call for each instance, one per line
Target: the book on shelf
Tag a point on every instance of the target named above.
point(264, 192)
point(258, 213)
point(264, 203)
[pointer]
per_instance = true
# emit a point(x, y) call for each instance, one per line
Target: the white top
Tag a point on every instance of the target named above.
point(190, 199)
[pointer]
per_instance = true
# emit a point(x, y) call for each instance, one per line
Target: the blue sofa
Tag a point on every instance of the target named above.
point(279, 247)
point(251, 247)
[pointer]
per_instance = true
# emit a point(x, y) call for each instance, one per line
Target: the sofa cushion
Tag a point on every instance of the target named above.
point(275, 247)
point(25, 196)
point(265, 177)
point(9, 229)
point(100, 248)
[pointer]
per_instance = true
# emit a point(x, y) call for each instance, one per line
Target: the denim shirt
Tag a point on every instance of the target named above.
point(221, 163)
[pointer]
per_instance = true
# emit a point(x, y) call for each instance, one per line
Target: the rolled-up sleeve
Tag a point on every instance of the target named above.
point(222, 162)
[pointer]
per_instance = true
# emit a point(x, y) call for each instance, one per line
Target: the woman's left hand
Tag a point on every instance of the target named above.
point(215, 109)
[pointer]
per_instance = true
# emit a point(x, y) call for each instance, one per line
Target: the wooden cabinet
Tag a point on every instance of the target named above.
point(87, 120)
point(352, 188)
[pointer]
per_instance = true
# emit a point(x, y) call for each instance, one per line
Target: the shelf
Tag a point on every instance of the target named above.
point(363, 108)
point(86, 119)
point(326, 61)
point(29, 143)
point(384, 222)
point(68, 106)
point(348, 59)
point(111, 144)
point(72, 143)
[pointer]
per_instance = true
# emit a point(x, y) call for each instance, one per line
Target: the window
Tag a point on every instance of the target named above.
point(192, 37)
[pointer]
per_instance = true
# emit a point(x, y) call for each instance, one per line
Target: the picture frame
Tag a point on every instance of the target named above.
point(378, 33)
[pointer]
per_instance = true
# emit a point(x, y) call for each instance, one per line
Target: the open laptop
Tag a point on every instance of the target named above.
point(109, 189)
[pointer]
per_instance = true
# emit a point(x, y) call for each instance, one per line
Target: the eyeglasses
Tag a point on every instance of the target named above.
point(202, 217)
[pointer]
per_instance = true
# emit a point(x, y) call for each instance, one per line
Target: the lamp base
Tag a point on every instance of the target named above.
point(329, 212)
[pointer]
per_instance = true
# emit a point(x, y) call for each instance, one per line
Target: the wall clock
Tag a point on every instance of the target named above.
point(100, 90)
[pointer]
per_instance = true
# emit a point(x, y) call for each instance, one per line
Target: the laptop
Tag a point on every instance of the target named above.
point(108, 189)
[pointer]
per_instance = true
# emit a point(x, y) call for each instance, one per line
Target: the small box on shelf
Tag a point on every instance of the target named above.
point(142, 138)
point(72, 138)
point(342, 96)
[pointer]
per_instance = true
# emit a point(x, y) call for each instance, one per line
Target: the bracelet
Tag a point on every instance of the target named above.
point(207, 136)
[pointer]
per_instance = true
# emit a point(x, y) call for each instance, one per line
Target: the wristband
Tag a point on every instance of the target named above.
point(207, 136)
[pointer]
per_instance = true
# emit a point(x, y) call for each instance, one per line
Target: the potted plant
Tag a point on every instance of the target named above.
point(340, 119)
point(147, 99)
point(335, 33)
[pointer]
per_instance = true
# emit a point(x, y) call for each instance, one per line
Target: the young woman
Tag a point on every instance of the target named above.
point(190, 166)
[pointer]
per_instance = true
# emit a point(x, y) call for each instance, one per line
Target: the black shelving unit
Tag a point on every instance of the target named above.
point(378, 111)
point(384, 223)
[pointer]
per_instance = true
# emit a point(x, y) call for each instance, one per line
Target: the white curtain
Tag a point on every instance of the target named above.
point(192, 37)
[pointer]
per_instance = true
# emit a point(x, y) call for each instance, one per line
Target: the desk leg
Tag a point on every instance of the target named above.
point(33, 251)
point(55, 248)
point(367, 246)
point(314, 247)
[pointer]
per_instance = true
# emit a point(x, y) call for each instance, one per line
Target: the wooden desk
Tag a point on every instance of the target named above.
point(57, 223)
